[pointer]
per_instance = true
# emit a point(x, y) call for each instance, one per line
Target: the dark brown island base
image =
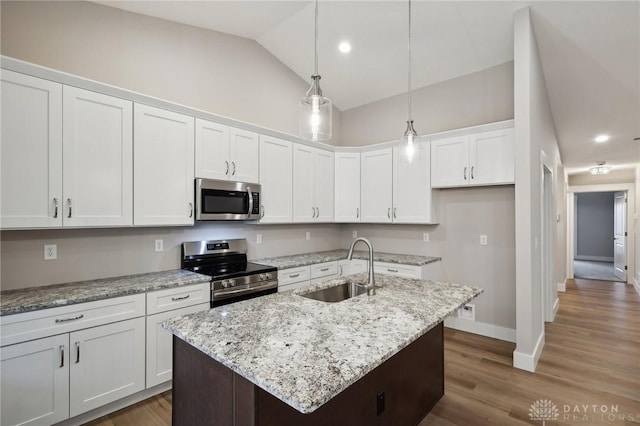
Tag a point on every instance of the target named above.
point(399, 392)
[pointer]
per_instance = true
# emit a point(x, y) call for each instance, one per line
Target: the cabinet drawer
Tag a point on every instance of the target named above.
point(178, 297)
point(292, 286)
point(293, 275)
point(324, 269)
point(405, 271)
point(47, 322)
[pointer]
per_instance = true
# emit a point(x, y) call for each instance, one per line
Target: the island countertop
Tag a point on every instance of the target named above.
point(305, 352)
point(296, 260)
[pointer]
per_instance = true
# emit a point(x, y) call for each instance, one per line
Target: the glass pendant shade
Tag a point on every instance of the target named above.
point(408, 141)
point(315, 113)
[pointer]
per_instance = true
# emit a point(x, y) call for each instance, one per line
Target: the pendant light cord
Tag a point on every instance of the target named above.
point(316, 41)
point(409, 79)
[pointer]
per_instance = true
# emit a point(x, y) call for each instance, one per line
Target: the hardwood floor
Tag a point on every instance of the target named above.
point(590, 363)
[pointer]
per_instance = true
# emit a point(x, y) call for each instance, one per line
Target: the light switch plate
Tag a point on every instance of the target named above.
point(308, 235)
point(159, 244)
point(258, 238)
point(483, 240)
point(354, 234)
point(50, 251)
point(425, 237)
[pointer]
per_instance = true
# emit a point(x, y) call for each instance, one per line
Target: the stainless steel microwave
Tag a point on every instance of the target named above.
point(225, 200)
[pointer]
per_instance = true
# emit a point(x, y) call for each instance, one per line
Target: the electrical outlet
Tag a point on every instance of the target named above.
point(483, 240)
point(308, 235)
point(159, 245)
point(50, 251)
point(425, 237)
point(258, 238)
point(468, 312)
point(355, 234)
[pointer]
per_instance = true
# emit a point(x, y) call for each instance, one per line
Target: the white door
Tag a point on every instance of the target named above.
point(491, 157)
point(212, 150)
point(303, 184)
point(450, 162)
point(97, 159)
point(163, 155)
point(243, 154)
point(34, 382)
point(347, 187)
point(620, 236)
point(31, 152)
point(323, 191)
point(276, 180)
point(160, 344)
point(107, 363)
point(412, 186)
point(376, 183)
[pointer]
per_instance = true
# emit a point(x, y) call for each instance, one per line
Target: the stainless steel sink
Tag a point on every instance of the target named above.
point(338, 293)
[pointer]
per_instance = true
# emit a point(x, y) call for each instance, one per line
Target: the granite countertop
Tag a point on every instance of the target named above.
point(305, 352)
point(294, 261)
point(52, 296)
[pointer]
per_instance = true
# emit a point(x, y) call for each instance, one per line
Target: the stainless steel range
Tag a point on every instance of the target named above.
point(232, 277)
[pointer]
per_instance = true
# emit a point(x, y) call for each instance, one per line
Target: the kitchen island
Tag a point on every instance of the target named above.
point(286, 359)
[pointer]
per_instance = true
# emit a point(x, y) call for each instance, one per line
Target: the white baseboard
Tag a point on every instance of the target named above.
point(528, 362)
point(594, 258)
point(481, 328)
point(556, 306)
point(636, 282)
point(562, 286)
point(116, 405)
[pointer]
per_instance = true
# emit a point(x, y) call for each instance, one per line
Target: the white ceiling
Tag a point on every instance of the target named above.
point(590, 53)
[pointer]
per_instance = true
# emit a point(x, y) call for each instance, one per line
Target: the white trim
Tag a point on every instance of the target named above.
point(562, 287)
point(116, 405)
point(594, 258)
point(636, 282)
point(481, 328)
point(556, 306)
point(528, 362)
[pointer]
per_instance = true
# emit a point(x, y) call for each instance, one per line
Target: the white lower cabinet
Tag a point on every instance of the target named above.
point(397, 269)
point(35, 382)
point(107, 363)
point(160, 344)
point(350, 267)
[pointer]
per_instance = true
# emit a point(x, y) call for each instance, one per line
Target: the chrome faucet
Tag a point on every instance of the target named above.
point(371, 285)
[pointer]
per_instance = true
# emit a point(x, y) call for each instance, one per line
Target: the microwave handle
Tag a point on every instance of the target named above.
point(250, 201)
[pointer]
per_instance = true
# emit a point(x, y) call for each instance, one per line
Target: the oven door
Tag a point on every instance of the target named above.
point(224, 200)
point(232, 295)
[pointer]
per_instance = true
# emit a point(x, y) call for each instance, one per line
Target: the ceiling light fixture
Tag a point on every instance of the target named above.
point(344, 47)
point(600, 169)
point(315, 109)
point(410, 133)
point(601, 138)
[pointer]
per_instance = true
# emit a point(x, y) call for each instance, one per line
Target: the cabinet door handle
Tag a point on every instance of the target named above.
point(190, 209)
point(389, 212)
point(357, 212)
point(69, 203)
point(77, 352)
point(55, 208)
point(262, 210)
point(233, 173)
point(472, 167)
point(175, 299)
point(59, 320)
point(394, 213)
point(61, 356)
point(465, 173)
point(294, 275)
point(318, 209)
point(340, 274)
point(226, 163)
point(324, 269)
point(392, 270)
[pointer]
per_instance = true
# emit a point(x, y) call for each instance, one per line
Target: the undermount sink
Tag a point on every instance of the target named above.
point(337, 293)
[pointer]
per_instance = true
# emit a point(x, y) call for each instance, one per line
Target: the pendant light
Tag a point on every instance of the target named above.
point(409, 134)
point(315, 109)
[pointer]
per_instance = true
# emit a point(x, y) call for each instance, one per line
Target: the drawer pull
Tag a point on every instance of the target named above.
point(69, 319)
point(175, 299)
point(324, 269)
point(392, 270)
point(61, 356)
point(77, 352)
point(294, 275)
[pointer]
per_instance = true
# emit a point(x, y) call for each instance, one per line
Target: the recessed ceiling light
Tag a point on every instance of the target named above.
point(344, 47)
point(602, 138)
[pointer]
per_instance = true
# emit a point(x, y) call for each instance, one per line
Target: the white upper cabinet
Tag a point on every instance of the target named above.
point(347, 187)
point(97, 159)
point(312, 184)
point(163, 158)
point(276, 180)
point(376, 198)
point(485, 158)
point(412, 198)
point(225, 153)
point(31, 152)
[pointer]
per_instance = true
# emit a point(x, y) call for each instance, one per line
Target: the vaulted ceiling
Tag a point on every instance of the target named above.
point(590, 52)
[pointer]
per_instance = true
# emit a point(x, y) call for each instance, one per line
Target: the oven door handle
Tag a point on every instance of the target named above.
point(229, 293)
point(250, 202)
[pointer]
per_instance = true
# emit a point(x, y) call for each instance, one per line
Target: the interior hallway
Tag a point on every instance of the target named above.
point(591, 356)
point(591, 270)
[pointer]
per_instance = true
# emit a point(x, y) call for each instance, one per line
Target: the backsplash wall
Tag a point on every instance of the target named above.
point(85, 254)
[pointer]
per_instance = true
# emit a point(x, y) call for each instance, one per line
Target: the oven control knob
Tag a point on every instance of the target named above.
point(232, 283)
point(263, 276)
point(267, 276)
point(225, 283)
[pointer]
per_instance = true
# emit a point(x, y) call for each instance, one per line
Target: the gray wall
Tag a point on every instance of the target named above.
point(594, 226)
